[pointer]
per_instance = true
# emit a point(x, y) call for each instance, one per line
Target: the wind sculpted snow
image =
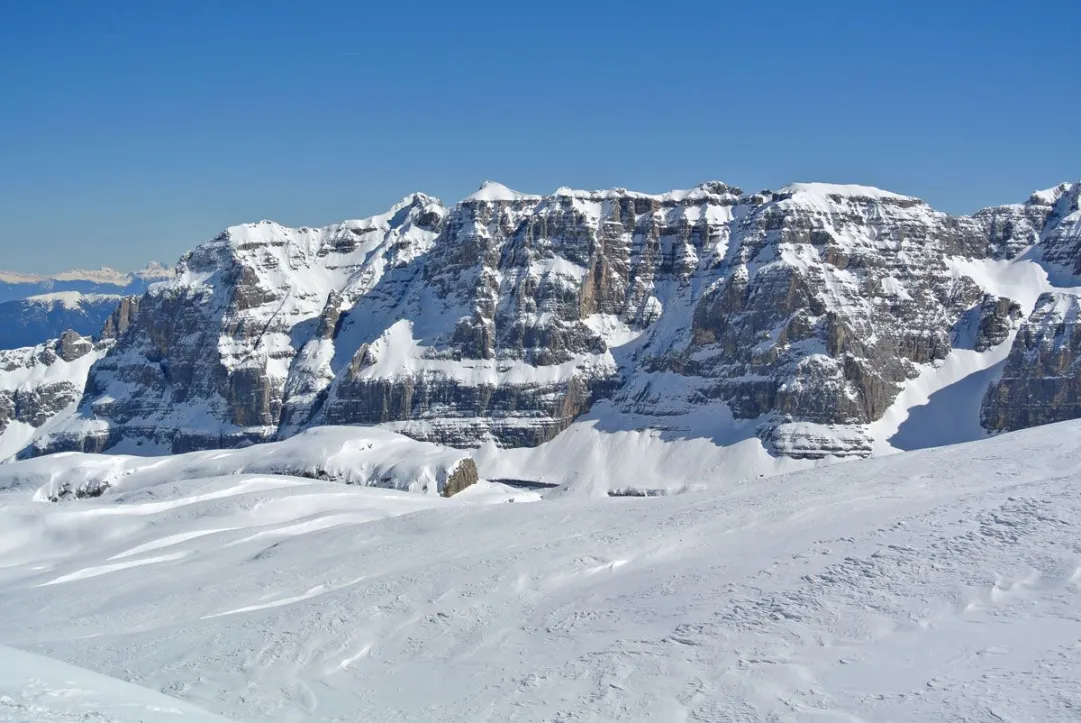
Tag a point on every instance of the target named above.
point(35, 689)
point(941, 584)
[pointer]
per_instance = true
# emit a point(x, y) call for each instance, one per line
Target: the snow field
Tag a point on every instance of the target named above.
point(942, 584)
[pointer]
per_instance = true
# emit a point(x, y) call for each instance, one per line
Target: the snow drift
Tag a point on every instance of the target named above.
point(351, 455)
point(941, 584)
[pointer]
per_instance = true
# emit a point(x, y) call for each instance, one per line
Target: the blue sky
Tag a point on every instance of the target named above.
point(133, 131)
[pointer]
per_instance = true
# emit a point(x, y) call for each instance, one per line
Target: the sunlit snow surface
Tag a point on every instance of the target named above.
point(35, 689)
point(938, 585)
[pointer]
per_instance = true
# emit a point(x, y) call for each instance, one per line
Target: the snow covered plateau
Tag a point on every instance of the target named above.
point(941, 584)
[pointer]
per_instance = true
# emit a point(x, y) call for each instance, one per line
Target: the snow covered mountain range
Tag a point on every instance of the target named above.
point(36, 308)
point(35, 319)
point(14, 285)
point(807, 323)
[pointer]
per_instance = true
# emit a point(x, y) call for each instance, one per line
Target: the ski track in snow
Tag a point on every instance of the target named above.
point(943, 584)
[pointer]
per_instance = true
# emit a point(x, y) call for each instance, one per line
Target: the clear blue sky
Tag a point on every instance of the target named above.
point(132, 131)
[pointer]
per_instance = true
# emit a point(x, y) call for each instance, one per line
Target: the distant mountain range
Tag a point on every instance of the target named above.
point(15, 286)
point(36, 308)
point(30, 321)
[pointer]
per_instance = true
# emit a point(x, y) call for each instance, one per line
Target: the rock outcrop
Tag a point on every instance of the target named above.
point(38, 383)
point(463, 475)
point(120, 318)
point(1041, 382)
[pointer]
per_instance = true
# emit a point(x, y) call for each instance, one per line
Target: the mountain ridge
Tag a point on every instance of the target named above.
point(797, 316)
point(15, 285)
point(102, 275)
point(36, 319)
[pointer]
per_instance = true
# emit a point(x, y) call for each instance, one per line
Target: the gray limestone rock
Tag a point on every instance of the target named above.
point(1041, 382)
point(36, 383)
point(803, 311)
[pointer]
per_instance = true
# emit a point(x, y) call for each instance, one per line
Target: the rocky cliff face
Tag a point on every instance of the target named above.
point(1041, 381)
point(38, 383)
point(794, 316)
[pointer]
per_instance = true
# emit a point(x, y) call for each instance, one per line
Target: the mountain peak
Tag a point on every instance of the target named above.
point(415, 199)
point(843, 190)
point(700, 192)
point(1051, 196)
point(154, 270)
point(494, 191)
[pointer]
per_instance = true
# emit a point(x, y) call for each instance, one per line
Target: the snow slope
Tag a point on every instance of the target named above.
point(350, 455)
point(942, 584)
point(35, 688)
point(608, 452)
